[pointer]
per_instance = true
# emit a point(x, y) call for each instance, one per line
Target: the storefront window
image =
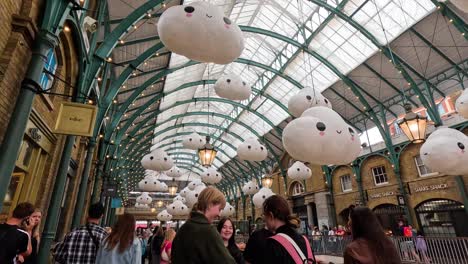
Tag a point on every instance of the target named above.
point(380, 175)
point(50, 67)
point(444, 218)
point(389, 215)
point(346, 183)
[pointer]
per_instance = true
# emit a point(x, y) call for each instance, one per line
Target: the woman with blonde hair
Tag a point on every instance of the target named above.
point(166, 247)
point(121, 246)
point(197, 241)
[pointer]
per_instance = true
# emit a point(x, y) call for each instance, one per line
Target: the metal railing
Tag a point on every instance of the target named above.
point(436, 250)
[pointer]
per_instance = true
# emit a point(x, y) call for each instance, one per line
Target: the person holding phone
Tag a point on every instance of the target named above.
point(32, 227)
point(16, 243)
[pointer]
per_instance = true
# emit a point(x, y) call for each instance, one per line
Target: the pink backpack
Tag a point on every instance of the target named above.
point(293, 249)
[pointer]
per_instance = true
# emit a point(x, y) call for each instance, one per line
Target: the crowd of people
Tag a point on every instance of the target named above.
point(198, 240)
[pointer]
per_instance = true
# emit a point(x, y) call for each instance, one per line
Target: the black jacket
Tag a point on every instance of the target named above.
point(256, 246)
point(236, 253)
point(276, 254)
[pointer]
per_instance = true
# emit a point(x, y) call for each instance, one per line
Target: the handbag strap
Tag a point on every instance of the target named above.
point(310, 254)
point(283, 240)
point(95, 241)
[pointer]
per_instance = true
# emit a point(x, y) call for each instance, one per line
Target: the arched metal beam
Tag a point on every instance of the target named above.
point(279, 130)
point(398, 63)
point(210, 125)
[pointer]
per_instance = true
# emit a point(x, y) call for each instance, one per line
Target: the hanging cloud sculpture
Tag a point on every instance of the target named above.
point(164, 216)
point(252, 150)
point(305, 99)
point(261, 196)
point(250, 188)
point(174, 172)
point(144, 198)
point(320, 136)
point(141, 206)
point(201, 32)
point(193, 141)
point(179, 198)
point(157, 160)
point(211, 176)
point(184, 192)
point(193, 184)
point(232, 87)
point(299, 171)
point(227, 211)
point(445, 151)
point(192, 196)
point(177, 208)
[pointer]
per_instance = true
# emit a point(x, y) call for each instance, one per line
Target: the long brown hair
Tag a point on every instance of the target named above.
point(123, 233)
point(365, 225)
point(169, 235)
point(279, 208)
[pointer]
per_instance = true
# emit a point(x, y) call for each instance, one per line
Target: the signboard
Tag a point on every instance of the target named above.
point(76, 119)
point(110, 190)
point(382, 194)
point(431, 187)
point(119, 211)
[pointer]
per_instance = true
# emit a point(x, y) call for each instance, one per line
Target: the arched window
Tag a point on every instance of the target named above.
point(297, 188)
point(50, 66)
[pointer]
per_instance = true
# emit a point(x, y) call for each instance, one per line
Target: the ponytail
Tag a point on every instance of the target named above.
point(293, 221)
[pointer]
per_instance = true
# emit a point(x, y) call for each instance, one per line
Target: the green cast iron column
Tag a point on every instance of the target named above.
point(357, 172)
point(53, 211)
point(97, 176)
point(83, 184)
point(462, 190)
point(19, 118)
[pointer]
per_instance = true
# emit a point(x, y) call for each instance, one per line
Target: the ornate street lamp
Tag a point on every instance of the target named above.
point(207, 154)
point(172, 188)
point(267, 181)
point(413, 125)
point(153, 210)
point(159, 203)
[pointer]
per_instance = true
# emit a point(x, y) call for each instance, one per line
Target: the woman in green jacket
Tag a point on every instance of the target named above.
point(197, 241)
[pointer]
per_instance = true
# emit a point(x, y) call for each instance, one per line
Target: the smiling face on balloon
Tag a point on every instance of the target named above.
point(445, 151)
point(201, 32)
point(320, 136)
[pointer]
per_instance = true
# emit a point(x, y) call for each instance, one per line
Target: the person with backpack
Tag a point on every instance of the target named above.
point(286, 246)
point(81, 245)
point(166, 247)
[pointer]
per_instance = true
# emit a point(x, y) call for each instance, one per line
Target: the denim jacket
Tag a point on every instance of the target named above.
point(131, 255)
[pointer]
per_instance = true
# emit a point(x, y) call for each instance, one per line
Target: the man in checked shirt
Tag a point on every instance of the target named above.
point(80, 246)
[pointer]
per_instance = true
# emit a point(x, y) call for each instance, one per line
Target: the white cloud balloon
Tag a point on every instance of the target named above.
point(164, 216)
point(194, 184)
point(305, 99)
point(201, 32)
point(174, 172)
point(261, 196)
point(141, 206)
point(211, 176)
point(179, 198)
point(184, 192)
point(232, 87)
point(250, 188)
point(320, 136)
point(299, 171)
point(192, 196)
point(157, 160)
point(252, 150)
point(144, 198)
point(177, 208)
point(148, 184)
point(462, 104)
point(445, 151)
point(193, 141)
point(227, 211)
